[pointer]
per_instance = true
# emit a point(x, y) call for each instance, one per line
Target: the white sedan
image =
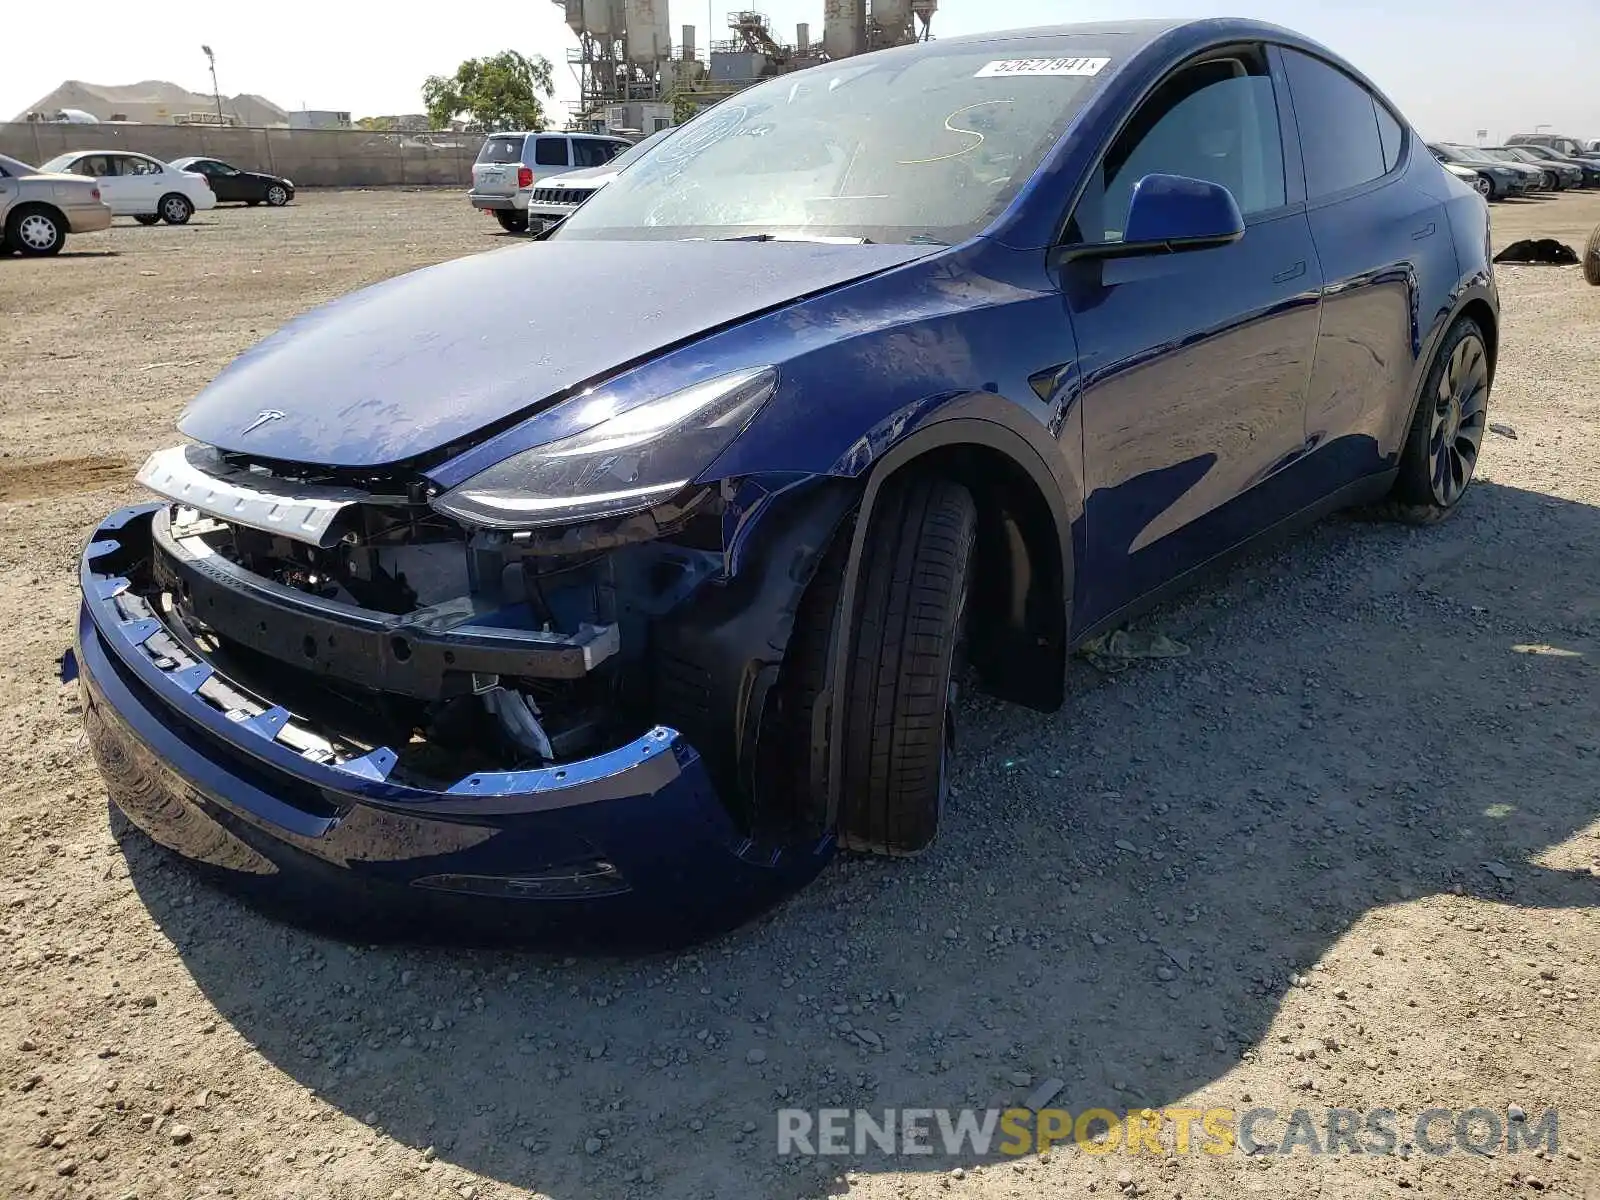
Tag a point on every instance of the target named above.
point(138, 186)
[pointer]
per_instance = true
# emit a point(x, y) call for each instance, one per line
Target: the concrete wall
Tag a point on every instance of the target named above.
point(310, 157)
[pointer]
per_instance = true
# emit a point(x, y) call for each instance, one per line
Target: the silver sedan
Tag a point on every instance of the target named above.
point(38, 210)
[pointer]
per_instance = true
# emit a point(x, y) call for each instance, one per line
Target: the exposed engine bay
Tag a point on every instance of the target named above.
point(462, 649)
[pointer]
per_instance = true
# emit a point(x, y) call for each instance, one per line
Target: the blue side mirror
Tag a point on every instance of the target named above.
point(1174, 212)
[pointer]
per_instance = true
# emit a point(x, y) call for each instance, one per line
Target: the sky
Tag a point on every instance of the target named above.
point(1452, 66)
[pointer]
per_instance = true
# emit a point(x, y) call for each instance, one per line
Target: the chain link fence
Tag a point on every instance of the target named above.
point(310, 157)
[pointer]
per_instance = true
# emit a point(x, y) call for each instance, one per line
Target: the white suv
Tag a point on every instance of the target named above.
point(511, 164)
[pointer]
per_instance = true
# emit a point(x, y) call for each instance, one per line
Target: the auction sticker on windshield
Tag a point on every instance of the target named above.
point(1041, 66)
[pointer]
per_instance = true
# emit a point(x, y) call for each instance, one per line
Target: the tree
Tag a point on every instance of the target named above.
point(376, 124)
point(499, 92)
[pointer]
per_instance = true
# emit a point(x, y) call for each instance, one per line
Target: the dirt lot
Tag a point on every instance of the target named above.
point(1342, 855)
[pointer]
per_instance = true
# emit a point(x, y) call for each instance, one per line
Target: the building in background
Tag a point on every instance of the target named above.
point(319, 118)
point(625, 59)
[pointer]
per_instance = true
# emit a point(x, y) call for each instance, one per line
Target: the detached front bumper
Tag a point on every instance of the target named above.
point(628, 849)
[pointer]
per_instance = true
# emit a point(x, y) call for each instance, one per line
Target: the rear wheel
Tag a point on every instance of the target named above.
point(512, 221)
point(175, 209)
point(1591, 258)
point(1441, 450)
point(34, 231)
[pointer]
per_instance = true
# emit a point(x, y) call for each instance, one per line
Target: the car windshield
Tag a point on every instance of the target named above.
point(637, 151)
point(501, 149)
point(926, 143)
point(1467, 153)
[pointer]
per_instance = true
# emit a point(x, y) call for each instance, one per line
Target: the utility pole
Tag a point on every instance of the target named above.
point(216, 94)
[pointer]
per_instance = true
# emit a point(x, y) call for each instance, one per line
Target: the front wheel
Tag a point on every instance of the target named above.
point(1441, 450)
point(277, 195)
point(1484, 186)
point(898, 690)
point(512, 221)
point(175, 209)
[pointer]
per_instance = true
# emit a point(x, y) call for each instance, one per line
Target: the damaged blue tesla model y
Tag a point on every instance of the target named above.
point(598, 589)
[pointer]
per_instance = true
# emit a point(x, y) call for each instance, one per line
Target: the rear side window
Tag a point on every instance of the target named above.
point(550, 152)
point(592, 152)
point(1390, 134)
point(1338, 126)
point(501, 150)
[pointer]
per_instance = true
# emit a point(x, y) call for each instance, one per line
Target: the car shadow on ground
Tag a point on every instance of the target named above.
point(1120, 898)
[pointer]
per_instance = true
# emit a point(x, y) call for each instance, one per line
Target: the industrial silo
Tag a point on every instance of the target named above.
point(574, 11)
point(649, 35)
point(893, 17)
point(602, 18)
point(843, 27)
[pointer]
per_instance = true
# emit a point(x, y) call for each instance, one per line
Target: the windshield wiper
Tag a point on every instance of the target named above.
point(798, 237)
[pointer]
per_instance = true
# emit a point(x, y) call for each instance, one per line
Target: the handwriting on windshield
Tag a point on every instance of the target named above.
point(956, 129)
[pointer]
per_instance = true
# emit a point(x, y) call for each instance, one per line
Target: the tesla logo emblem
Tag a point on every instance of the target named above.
point(262, 417)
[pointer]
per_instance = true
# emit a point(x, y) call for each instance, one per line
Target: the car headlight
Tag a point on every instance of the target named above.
point(625, 463)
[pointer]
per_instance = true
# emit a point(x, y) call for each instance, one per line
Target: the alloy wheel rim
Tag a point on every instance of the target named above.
point(37, 232)
point(1483, 187)
point(276, 196)
point(175, 210)
point(1460, 411)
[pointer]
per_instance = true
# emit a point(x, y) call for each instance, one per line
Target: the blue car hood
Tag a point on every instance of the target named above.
point(428, 359)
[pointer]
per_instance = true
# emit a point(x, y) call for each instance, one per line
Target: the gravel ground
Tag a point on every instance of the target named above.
point(1342, 855)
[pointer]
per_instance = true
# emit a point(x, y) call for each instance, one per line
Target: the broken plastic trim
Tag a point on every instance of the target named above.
point(196, 476)
point(421, 654)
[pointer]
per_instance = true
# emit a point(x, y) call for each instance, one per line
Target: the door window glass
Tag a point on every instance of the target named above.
point(550, 152)
point(1216, 121)
point(139, 166)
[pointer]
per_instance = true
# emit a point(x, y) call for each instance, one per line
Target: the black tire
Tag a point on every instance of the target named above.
point(1591, 258)
point(35, 231)
point(916, 563)
point(277, 195)
point(512, 221)
point(1446, 434)
point(252, 203)
point(175, 208)
point(148, 218)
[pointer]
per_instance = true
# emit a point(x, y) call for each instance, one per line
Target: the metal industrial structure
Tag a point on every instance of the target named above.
point(631, 76)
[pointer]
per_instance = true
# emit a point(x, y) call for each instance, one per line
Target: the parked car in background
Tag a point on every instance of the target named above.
point(1468, 176)
point(1575, 172)
point(230, 185)
point(601, 588)
point(555, 199)
point(1552, 177)
point(138, 186)
point(38, 209)
point(510, 165)
point(1556, 141)
point(1499, 179)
